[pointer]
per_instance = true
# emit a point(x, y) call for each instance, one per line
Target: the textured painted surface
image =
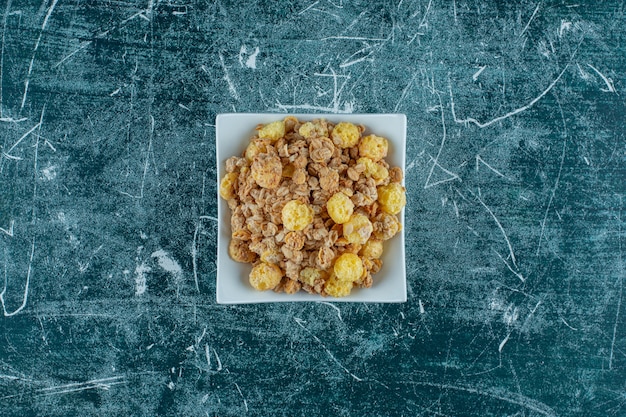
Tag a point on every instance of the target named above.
point(516, 173)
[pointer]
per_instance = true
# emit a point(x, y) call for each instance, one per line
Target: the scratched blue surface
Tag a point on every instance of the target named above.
point(516, 177)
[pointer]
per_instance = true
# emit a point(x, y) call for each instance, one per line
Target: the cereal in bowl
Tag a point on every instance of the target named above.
point(312, 204)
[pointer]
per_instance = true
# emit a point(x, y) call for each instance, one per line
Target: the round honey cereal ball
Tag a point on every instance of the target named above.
point(265, 276)
point(272, 131)
point(373, 147)
point(267, 170)
point(337, 288)
point(358, 229)
point(227, 186)
point(296, 215)
point(348, 267)
point(373, 249)
point(391, 197)
point(310, 275)
point(312, 129)
point(271, 256)
point(340, 207)
point(346, 135)
point(373, 169)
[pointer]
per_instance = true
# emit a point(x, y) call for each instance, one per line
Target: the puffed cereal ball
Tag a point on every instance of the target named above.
point(372, 169)
point(391, 197)
point(358, 229)
point(373, 249)
point(271, 256)
point(265, 276)
point(267, 170)
point(296, 215)
point(346, 135)
point(373, 147)
point(272, 131)
point(348, 267)
point(310, 275)
point(227, 186)
point(339, 207)
point(312, 129)
point(337, 288)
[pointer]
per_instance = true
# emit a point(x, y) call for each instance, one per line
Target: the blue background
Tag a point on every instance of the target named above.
point(516, 182)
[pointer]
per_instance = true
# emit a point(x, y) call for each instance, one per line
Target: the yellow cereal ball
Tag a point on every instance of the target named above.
point(267, 170)
point(312, 129)
point(296, 215)
point(337, 288)
point(310, 275)
point(358, 229)
point(348, 267)
point(265, 276)
point(340, 207)
point(372, 169)
point(373, 249)
point(373, 147)
point(272, 131)
point(346, 135)
point(391, 197)
point(271, 256)
point(227, 186)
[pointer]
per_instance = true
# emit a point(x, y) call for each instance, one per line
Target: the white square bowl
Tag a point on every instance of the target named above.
point(233, 132)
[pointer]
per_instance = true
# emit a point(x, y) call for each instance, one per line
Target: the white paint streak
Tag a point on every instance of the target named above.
point(452, 176)
point(167, 263)
point(509, 114)
point(24, 136)
point(251, 61)
point(300, 323)
point(9, 231)
point(608, 81)
point(556, 183)
point(529, 21)
point(32, 61)
point(82, 46)
point(140, 279)
point(495, 219)
point(333, 306)
point(477, 73)
point(194, 256)
point(49, 173)
point(479, 159)
point(501, 346)
point(565, 26)
point(498, 394)
point(246, 59)
point(245, 403)
point(26, 286)
point(231, 86)
point(620, 282)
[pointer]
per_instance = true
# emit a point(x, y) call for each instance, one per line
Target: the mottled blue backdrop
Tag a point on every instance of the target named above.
point(516, 178)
